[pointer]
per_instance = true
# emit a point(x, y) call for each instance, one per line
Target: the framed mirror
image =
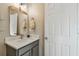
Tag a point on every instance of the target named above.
point(23, 22)
point(32, 25)
point(13, 16)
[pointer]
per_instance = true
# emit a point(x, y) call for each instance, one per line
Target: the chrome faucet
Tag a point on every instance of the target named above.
point(21, 36)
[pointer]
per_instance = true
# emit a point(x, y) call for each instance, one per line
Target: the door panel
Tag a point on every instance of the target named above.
point(73, 29)
point(78, 30)
point(65, 50)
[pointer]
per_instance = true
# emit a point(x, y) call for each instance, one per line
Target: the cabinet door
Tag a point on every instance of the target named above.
point(27, 53)
point(35, 51)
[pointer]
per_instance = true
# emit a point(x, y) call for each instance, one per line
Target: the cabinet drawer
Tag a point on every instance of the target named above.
point(24, 49)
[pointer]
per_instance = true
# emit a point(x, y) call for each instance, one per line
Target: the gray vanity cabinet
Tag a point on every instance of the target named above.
point(31, 49)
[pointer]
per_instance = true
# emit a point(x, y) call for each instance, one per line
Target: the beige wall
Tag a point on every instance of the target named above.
point(37, 11)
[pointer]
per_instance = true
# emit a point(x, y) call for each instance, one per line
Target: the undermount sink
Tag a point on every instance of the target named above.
point(22, 40)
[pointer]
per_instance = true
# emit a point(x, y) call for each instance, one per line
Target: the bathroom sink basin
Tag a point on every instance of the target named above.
point(22, 40)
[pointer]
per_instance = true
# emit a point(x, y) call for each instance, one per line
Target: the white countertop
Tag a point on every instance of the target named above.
point(18, 43)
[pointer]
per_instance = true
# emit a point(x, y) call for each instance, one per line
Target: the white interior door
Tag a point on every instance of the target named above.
point(61, 29)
